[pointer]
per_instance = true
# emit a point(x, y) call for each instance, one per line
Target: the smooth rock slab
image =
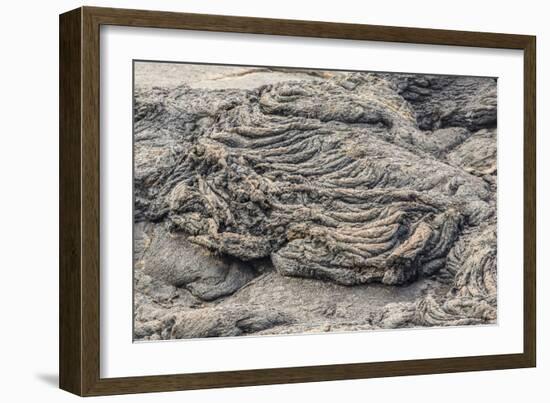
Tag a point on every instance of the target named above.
point(177, 262)
point(226, 322)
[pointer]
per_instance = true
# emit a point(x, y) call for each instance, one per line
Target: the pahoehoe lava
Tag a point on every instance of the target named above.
point(343, 181)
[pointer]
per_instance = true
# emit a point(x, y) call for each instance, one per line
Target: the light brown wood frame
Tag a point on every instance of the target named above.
point(79, 290)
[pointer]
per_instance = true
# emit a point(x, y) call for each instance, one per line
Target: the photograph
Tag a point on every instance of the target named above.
point(282, 200)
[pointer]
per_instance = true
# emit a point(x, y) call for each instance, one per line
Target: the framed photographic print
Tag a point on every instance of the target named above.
point(249, 201)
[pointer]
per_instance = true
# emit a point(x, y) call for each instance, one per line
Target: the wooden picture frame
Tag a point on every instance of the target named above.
point(79, 348)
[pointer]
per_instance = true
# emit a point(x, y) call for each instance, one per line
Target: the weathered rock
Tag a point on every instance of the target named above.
point(352, 178)
point(441, 141)
point(281, 175)
point(472, 298)
point(449, 101)
point(478, 154)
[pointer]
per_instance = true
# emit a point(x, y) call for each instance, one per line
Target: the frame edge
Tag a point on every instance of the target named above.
point(530, 203)
point(70, 279)
point(305, 28)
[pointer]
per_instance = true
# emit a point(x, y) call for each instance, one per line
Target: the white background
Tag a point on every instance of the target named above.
point(120, 358)
point(29, 170)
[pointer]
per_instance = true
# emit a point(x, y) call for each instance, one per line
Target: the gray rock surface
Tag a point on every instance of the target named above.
point(173, 260)
point(274, 207)
point(449, 101)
